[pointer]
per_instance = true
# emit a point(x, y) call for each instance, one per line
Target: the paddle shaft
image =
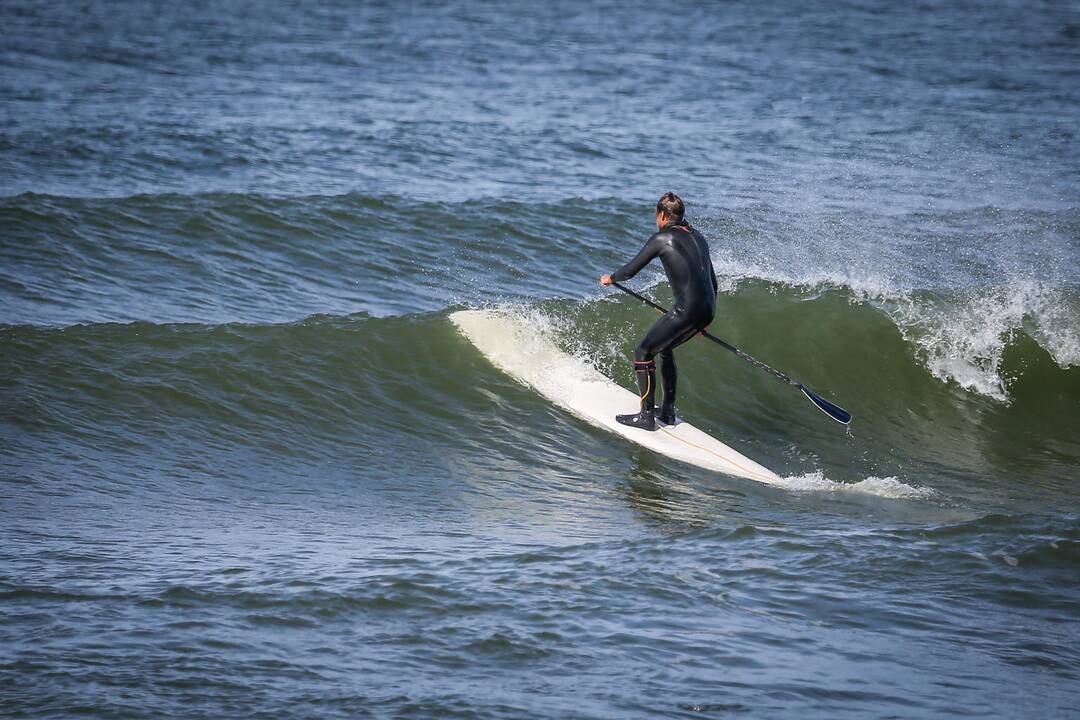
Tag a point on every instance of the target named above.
point(718, 341)
point(834, 411)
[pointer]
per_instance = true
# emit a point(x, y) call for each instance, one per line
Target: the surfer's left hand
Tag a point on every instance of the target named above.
point(605, 280)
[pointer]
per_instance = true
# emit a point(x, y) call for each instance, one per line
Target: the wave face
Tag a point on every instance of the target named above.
point(305, 387)
point(247, 462)
point(242, 258)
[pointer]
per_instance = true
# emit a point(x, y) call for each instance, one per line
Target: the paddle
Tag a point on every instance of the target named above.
point(834, 411)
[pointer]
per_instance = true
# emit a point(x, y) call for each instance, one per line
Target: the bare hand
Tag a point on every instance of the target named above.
point(605, 280)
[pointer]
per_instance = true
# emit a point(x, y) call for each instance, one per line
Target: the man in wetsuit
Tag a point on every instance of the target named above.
point(685, 256)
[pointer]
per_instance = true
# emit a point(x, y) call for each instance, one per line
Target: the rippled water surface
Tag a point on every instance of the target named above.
point(249, 468)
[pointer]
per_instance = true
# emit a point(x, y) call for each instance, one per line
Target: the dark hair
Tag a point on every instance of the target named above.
point(671, 204)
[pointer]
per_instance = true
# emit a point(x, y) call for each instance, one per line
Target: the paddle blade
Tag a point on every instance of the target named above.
point(834, 411)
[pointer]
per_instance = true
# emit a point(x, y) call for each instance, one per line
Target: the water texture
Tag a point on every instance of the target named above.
point(248, 468)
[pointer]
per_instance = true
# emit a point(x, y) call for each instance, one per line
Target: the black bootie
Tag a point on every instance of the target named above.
point(668, 375)
point(646, 380)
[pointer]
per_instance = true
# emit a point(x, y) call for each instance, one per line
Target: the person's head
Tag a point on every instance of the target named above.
point(669, 208)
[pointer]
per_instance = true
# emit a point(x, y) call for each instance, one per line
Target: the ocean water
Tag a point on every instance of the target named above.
point(249, 468)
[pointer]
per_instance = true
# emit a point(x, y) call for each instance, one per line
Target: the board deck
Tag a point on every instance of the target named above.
point(525, 354)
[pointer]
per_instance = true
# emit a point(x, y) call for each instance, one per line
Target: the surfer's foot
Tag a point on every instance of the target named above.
point(666, 414)
point(643, 420)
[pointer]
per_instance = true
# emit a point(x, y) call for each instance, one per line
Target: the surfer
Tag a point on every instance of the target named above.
point(685, 256)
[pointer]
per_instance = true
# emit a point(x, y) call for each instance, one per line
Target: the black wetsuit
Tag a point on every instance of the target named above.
point(685, 256)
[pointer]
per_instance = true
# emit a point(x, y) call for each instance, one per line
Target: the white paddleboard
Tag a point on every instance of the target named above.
point(525, 354)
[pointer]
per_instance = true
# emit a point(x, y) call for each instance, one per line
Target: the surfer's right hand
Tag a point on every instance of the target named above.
point(605, 280)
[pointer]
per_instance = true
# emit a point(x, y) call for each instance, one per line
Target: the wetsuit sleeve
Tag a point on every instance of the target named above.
point(648, 251)
point(715, 286)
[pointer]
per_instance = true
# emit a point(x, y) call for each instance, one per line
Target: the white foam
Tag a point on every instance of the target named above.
point(888, 487)
point(730, 272)
point(966, 343)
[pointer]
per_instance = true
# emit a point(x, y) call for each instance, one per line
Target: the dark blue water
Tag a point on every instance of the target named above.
point(248, 468)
